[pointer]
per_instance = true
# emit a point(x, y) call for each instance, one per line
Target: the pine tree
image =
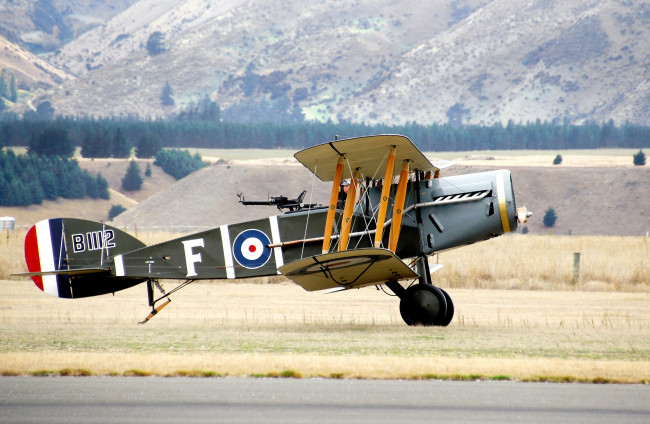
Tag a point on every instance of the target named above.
point(156, 44)
point(54, 141)
point(166, 98)
point(4, 92)
point(13, 91)
point(121, 145)
point(102, 187)
point(147, 147)
point(132, 180)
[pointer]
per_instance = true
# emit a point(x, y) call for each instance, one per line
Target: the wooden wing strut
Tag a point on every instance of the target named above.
point(398, 206)
point(385, 194)
point(350, 201)
point(331, 212)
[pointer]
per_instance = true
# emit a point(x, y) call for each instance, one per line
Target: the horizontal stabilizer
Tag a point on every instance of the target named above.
point(80, 271)
point(348, 269)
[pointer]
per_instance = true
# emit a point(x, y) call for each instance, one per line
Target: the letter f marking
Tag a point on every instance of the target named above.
point(192, 258)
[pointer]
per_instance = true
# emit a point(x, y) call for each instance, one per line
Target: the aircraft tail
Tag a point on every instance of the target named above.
point(73, 258)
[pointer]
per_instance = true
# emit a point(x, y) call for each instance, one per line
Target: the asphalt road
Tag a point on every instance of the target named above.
point(198, 400)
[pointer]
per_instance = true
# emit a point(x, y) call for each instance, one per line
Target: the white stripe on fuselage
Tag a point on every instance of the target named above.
point(46, 257)
point(227, 252)
point(275, 235)
point(119, 266)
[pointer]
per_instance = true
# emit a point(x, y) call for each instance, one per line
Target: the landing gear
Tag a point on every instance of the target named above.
point(152, 300)
point(423, 303)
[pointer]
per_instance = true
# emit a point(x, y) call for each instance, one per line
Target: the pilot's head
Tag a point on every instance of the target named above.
point(345, 185)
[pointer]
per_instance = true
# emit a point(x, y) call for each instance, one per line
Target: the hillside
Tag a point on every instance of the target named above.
point(592, 195)
point(587, 200)
point(31, 72)
point(45, 25)
point(94, 209)
point(468, 61)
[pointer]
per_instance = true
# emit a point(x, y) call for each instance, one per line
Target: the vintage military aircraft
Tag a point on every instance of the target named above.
point(384, 234)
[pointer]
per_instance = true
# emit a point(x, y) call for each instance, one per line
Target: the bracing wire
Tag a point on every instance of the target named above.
point(311, 196)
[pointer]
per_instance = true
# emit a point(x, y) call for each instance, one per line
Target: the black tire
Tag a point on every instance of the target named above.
point(449, 315)
point(423, 304)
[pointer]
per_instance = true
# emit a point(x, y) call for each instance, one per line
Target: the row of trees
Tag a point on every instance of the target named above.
point(30, 179)
point(112, 137)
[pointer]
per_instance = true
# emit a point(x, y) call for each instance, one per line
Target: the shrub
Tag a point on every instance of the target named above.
point(639, 158)
point(557, 160)
point(178, 163)
point(549, 217)
point(115, 211)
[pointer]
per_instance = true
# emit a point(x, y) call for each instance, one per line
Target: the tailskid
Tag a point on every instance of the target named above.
point(152, 301)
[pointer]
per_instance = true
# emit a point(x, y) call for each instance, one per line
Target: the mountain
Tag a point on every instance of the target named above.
point(545, 59)
point(31, 71)
point(44, 25)
point(374, 61)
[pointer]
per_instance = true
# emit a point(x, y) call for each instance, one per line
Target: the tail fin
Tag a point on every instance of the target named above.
point(72, 258)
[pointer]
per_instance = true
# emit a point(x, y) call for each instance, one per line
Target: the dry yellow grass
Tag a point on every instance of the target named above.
point(549, 329)
point(248, 329)
point(533, 262)
point(516, 261)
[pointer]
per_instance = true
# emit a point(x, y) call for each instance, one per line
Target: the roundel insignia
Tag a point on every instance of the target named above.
point(250, 248)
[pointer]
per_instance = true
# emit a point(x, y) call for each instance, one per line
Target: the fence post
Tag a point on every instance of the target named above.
point(576, 267)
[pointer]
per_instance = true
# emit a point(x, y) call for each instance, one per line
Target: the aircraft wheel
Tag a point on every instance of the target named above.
point(449, 315)
point(423, 304)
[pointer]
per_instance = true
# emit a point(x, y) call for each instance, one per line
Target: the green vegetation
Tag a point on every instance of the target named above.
point(156, 43)
point(639, 158)
point(132, 180)
point(147, 146)
point(549, 217)
point(53, 141)
point(199, 127)
point(30, 179)
point(115, 211)
point(8, 88)
point(178, 163)
point(557, 160)
point(166, 98)
point(102, 141)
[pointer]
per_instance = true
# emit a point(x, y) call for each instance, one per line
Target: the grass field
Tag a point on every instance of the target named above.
point(519, 315)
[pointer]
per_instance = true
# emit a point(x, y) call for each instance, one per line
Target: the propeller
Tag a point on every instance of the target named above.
point(523, 214)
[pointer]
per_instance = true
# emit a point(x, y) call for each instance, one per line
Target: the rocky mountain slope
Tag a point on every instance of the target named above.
point(31, 72)
point(467, 61)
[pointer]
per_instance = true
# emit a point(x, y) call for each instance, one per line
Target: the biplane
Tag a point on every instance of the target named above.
point(398, 212)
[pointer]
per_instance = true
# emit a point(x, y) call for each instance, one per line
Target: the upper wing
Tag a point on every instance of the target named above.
point(347, 269)
point(365, 153)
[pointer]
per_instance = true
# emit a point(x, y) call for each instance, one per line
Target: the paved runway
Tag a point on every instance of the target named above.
point(199, 400)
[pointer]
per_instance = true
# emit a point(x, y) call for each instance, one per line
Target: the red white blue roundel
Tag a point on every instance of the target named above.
point(250, 248)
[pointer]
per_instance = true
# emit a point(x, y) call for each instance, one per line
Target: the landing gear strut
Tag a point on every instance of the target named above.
point(423, 303)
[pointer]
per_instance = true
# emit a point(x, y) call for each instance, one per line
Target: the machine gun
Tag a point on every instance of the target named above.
point(282, 202)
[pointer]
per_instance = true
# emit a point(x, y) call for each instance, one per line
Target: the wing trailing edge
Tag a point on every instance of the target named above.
point(348, 269)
